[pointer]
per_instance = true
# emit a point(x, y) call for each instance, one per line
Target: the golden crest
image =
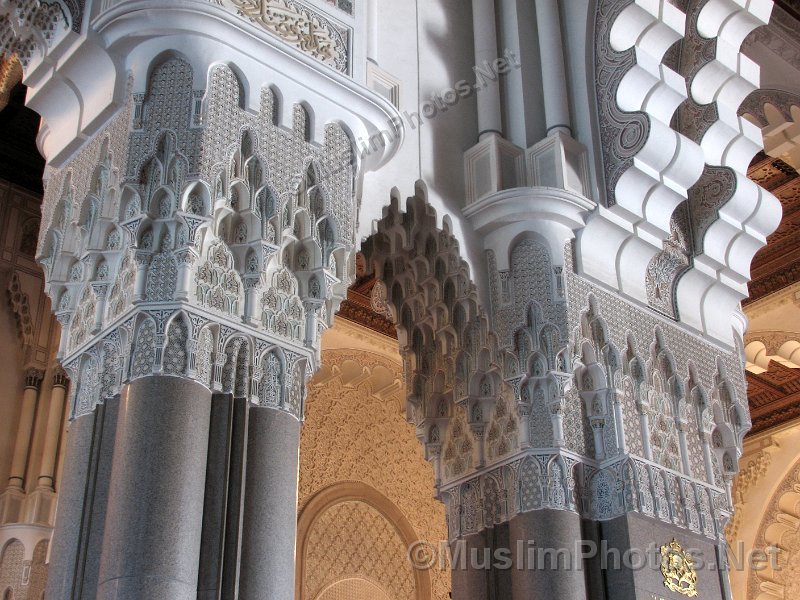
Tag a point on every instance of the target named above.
point(678, 569)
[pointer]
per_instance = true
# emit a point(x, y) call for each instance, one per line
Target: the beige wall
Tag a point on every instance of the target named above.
point(366, 490)
point(767, 500)
point(19, 214)
point(29, 337)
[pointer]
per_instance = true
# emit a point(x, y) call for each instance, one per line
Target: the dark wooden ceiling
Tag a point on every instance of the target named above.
point(774, 396)
point(777, 265)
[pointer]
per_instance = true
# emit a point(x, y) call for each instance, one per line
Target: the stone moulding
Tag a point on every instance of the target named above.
point(523, 208)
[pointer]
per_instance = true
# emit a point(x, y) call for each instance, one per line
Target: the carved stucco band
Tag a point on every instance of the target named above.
point(302, 27)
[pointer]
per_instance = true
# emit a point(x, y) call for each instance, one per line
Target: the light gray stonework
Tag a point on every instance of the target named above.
point(151, 546)
point(269, 527)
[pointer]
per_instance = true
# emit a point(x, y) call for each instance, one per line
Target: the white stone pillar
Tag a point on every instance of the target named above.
point(55, 418)
point(100, 291)
point(557, 417)
point(19, 463)
point(251, 299)
point(372, 31)
point(598, 427)
point(186, 258)
point(681, 426)
point(485, 31)
point(554, 78)
point(524, 412)
point(644, 427)
point(707, 460)
point(478, 432)
point(142, 262)
point(618, 419)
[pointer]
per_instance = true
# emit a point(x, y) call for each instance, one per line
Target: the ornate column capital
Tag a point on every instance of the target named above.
point(60, 377)
point(33, 378)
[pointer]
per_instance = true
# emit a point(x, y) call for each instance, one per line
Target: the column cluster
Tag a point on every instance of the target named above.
point(194, 252)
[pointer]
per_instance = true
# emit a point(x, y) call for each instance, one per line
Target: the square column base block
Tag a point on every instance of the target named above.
point(493, 165)
point(559, 161)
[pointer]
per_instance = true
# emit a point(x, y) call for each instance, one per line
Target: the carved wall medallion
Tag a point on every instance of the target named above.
point(678, 569)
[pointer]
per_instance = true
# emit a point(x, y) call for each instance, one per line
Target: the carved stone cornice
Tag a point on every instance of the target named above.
point(300, 26)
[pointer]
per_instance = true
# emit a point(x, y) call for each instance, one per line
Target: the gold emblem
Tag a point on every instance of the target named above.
point(678, 569)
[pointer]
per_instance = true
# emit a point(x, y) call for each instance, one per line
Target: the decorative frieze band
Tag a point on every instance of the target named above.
point(180, 343)
point(540, 480)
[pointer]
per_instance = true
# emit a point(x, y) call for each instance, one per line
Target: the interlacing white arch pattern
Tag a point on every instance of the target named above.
point(638, 93)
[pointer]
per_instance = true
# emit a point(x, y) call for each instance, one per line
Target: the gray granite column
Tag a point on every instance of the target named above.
point(470, 578)
point(639, 576)
point(270, 506)
point(83, 495)
point(151, 546)
point(545, 550)
point(214, 535)
point(66, 541)
point(234, 512)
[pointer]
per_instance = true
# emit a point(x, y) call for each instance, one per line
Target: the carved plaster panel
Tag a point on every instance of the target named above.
point(302, 27)
point(355, 432)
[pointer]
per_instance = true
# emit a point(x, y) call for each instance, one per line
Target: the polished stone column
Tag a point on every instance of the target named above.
point(234, 510)
point(217, 501)
point(470, 579)
point(151, 545)
point(19, 463)
point(52, 436)
point(545, 553)
point(270, 506)
point(81, 510)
